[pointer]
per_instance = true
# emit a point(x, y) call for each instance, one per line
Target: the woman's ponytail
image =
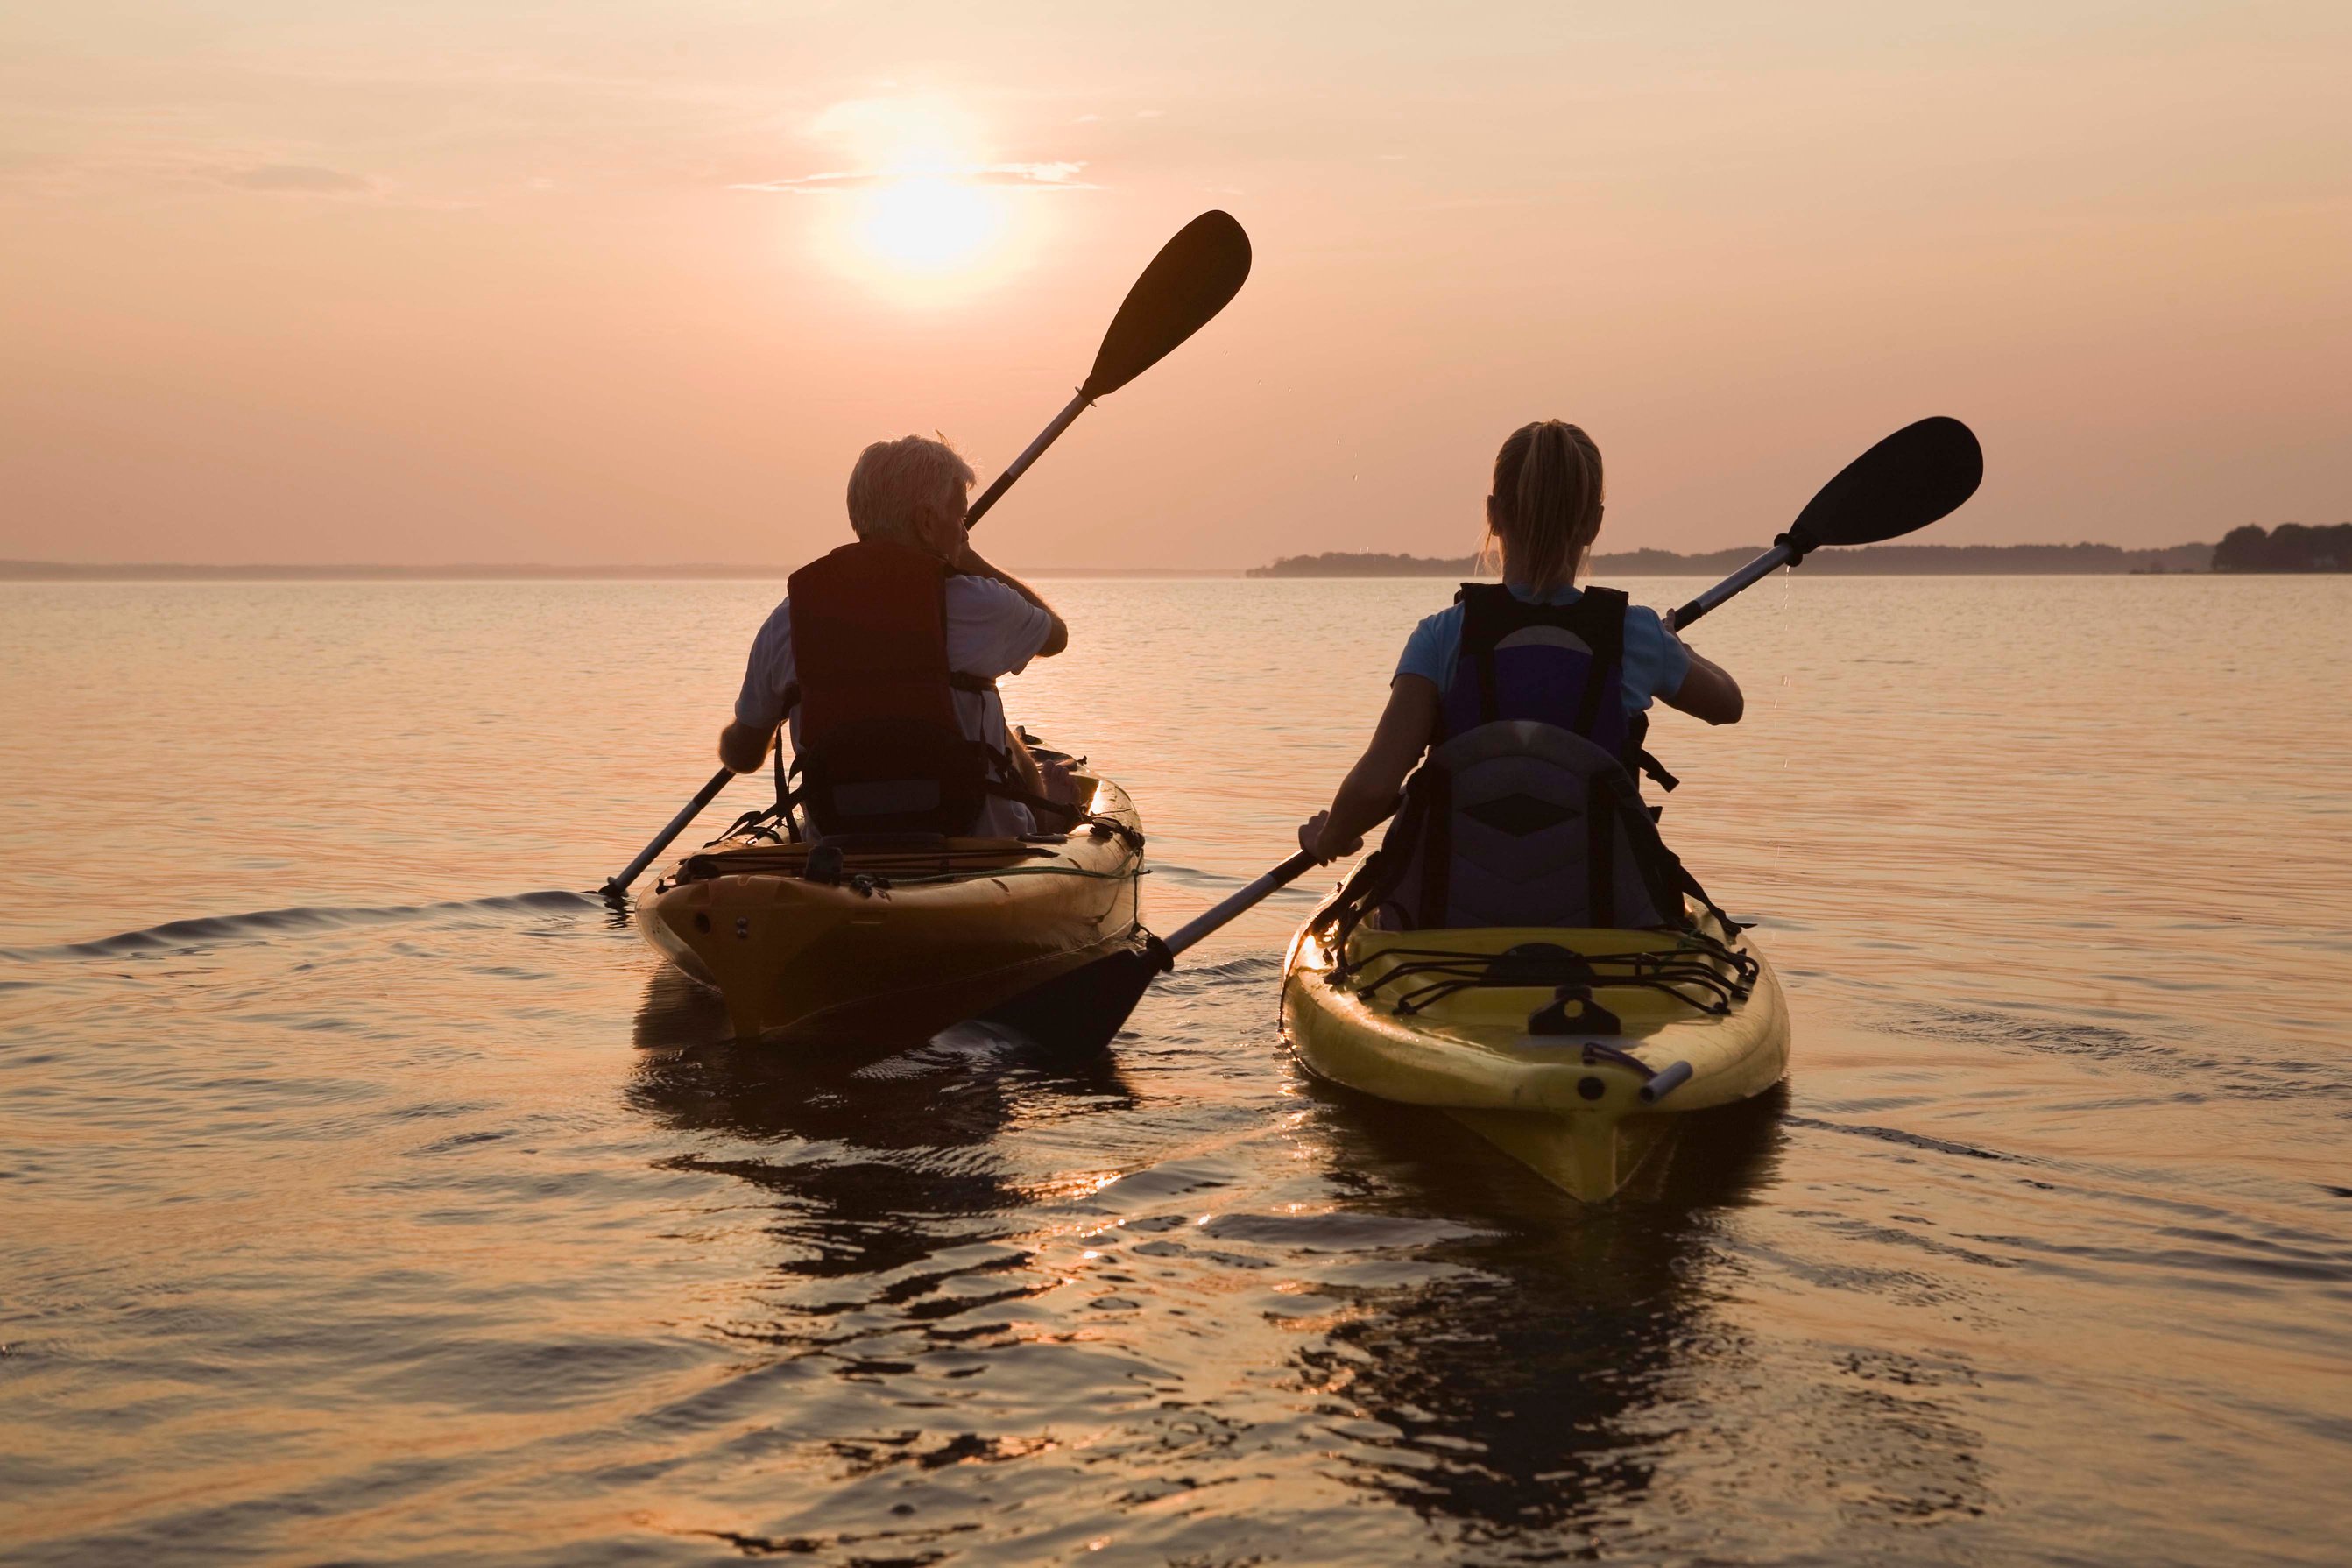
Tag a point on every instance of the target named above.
point(1547, 500)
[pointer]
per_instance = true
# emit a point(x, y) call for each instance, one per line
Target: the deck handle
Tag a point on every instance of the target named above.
point(1663, 1082)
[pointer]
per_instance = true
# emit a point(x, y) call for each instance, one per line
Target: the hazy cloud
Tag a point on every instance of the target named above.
point(300, 178)
point(1057, 176)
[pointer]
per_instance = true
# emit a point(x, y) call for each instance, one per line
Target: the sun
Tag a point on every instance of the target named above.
point(923, 212)
point(929, 226)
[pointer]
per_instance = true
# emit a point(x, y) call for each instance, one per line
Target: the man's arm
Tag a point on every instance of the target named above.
point(971, 565)
point(760, 705)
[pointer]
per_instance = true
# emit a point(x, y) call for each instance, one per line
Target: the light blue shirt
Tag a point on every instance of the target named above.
point(1655, 660)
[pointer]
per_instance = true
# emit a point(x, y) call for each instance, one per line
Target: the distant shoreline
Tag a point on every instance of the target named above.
point(1881, 560)
point(2247, 550)
point(178, 572)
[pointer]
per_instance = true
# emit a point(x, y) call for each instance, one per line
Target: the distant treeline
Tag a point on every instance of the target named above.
point(177, 571)
point(169, 572)
point(2289, 547)
point(1883, 560)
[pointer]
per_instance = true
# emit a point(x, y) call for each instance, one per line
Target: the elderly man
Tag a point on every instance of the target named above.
point(885, 656)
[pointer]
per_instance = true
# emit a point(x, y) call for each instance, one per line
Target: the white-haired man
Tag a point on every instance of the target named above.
point(884, 656)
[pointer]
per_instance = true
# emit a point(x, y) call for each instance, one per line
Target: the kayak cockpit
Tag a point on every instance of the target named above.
point(1573, 1049)
point(1542, 981)
point(872, 941)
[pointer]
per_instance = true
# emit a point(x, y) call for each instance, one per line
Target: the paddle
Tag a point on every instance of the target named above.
point(1194, 276)
point(1921, 472)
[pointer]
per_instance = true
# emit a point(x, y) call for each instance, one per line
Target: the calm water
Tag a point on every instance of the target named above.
point(366, 1195)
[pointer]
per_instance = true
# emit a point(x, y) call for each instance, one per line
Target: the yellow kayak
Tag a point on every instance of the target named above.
point(895, 939)
point(1575, 1051)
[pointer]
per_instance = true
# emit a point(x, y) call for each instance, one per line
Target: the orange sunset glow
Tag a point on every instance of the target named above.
point(876, 782)
point(470, 283)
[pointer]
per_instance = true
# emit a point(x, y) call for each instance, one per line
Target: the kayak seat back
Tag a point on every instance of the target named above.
point(1518, 823)
point(886, 775)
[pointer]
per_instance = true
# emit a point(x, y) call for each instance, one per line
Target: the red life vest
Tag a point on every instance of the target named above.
point(880, 748)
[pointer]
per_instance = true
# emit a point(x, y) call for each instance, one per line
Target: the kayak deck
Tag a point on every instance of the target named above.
point(908, 935)
point(1443, 1018)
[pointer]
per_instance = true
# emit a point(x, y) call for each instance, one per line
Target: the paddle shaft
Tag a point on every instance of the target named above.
point(702, 798)
point(1787, 552)
point(1202, 924)
point(1030, 454)
point(1754, 571)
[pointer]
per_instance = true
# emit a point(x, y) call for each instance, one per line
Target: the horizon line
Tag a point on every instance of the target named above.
point(30, 570)
point(55, 571)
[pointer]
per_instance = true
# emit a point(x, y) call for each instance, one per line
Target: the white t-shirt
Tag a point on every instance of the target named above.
point(991, 631)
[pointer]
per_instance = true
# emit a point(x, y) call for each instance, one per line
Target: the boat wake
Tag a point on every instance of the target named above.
point(2223, 1061)
point(177, 937)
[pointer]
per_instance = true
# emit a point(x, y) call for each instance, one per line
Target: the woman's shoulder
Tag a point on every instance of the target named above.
point(1636, 616)
point(1438, 623)
point(1429, 651)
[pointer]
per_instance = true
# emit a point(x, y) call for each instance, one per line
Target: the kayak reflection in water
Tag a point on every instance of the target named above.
point(1553, 682)
point(885, 656)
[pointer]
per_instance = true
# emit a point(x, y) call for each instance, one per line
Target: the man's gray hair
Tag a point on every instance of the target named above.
point(892, 479)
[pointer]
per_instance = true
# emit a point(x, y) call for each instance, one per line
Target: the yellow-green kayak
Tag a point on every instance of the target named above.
point(1576, 1052)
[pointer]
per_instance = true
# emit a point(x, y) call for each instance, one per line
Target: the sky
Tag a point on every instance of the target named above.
point(620, 282)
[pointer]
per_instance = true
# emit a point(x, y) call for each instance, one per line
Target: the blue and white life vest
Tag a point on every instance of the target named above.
point(1526, 811)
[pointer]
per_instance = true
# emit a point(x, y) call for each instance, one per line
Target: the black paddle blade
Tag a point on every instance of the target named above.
point(1191, 278)
point(1920, 473)
point(1085, 1009)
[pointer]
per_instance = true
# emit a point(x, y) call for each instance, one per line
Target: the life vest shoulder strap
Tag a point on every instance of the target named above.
point(1491, 613)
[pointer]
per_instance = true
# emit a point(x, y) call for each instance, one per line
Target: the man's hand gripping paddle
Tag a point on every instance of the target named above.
point(1192, 277)
point(1921, 473)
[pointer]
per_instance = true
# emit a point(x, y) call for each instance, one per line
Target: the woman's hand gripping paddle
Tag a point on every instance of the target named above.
point(1921, 473)
point(1194, 276)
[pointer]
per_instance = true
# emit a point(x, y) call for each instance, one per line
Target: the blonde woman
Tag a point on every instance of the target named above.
point(1535, 649)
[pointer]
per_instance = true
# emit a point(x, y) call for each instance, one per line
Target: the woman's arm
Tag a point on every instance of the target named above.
point(1368, 793)
point(1708, 692)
